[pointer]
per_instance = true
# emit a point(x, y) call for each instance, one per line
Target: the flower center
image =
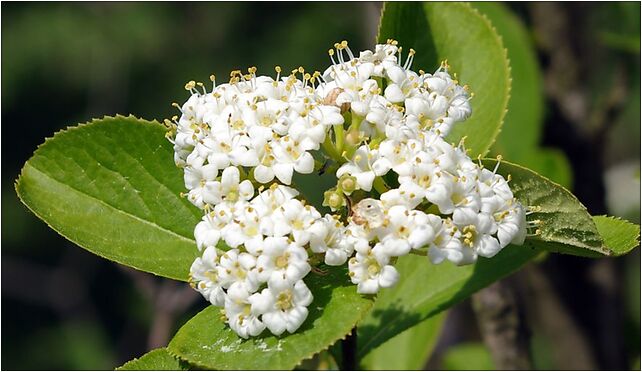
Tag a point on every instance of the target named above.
point(232, 195)
point(211, 275)
point(284, 300)
point(281, 262)
point(457, 198)
point(297, 224)
point(373, 266)
point(470, 234)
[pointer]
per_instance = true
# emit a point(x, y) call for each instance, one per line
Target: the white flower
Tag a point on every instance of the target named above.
point(245, 230)
point(230, 189)
point(385, 55)
point(296, 218)
point(400, 154)
point(408, 194)
point(290, 156)
point(365, 166)
point(363, 117)
point(282, 261)
point(371, 271)
point(284, 307)
point(225, 147)
point(514, 225)
point(511, 224)
point(403, 84)
point(204, 276)
point(450, 192)
point(197, 177)
point(329, 236)
point(448, 245)
point(238, 311)
point(427, 106)
point(405, 230)
point(237, 268)
point(207, 232)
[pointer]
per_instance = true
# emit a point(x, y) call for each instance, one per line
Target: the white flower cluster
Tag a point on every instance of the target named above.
point(401, 188)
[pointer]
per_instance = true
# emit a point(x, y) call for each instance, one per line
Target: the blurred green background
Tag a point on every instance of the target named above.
point(65, 63)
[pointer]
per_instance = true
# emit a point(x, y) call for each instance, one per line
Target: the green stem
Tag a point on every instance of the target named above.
point(330, 149)
point(339, 135)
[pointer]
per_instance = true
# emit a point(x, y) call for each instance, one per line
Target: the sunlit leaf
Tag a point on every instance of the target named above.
point(460, 34)
point(155, 360)
point(425, 290)
point(207, 342)
point(111, 187)
point(619, 235)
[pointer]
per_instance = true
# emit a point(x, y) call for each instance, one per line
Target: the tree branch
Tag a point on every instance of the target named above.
point(502, 327)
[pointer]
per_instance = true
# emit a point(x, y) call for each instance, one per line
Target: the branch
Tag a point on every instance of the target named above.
point(501, 327)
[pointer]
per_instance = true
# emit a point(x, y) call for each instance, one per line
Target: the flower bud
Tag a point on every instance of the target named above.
point(353, 138)
point(334, 199)
point(347, 184)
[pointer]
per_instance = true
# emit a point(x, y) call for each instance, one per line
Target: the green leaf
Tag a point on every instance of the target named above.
point(566, 226)
point(619, 235)
point(111, 187)
point(408, 350)
point(460, 34)
point(155, 360)
point(425, 290)
point(522, 125)
point(521, 132)
point(207, 342)
point(468, 356)
point(550, 163)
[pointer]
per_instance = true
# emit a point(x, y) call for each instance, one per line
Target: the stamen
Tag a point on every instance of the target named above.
point(499, 160)
point(409, 59)
point(331, 54)
point(213, 80)
point(278, 73)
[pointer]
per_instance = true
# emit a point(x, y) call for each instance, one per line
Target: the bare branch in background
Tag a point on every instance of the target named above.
point(501, 326)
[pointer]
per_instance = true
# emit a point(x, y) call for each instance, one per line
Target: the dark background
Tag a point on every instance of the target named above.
point(65, 63)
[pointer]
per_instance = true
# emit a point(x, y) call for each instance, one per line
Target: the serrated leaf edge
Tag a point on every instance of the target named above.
point(608, 252)
point(364, 312)
point(623, 220)
point(94, 121)
point(507, 69)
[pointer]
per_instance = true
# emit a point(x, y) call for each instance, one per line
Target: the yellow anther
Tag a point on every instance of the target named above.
point(190, 85)
point(212, 78)
point(331, 52)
